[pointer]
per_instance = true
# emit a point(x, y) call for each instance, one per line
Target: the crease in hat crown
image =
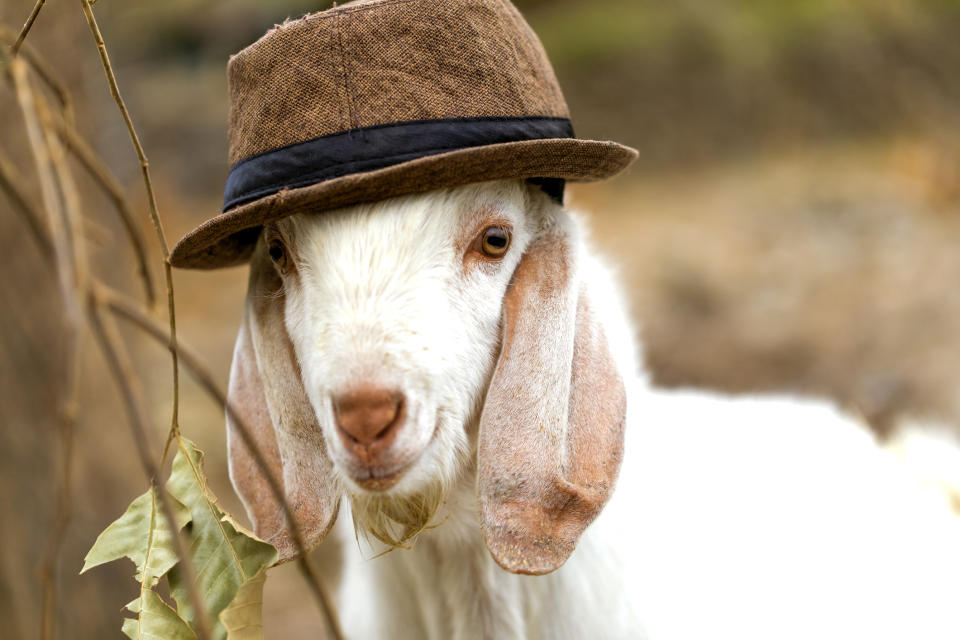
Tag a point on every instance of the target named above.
point(382, 98)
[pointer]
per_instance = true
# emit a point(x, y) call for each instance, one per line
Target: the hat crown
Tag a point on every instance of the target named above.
point(385, 98)
point(387, 61)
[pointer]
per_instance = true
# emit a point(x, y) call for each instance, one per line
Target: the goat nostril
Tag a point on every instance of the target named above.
point(368, 414)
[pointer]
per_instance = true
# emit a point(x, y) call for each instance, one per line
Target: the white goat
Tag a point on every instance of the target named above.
point(456, 364)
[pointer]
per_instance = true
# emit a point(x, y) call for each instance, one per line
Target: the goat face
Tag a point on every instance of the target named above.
point(393, 310)
point(393, 344)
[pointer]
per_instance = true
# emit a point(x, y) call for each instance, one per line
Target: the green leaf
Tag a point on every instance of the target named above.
point(141, 534)
point(230, 561)
point(243, 619)
point(225, 556)
point(155, 619)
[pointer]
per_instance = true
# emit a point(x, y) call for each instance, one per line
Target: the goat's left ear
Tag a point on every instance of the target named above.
point(551, 431)
point(267, 392)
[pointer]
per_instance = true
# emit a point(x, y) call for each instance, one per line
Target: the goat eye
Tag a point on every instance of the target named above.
point(495, 242)
point(278, 254)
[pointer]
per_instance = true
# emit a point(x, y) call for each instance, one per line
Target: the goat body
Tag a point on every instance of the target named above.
point(751, 517)
point(742, 518)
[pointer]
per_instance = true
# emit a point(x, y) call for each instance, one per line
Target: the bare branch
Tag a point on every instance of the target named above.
point(64, 240)
point(88, 158)
point(9, 179)
point(99, 171)
point(68, 425)
point(96, 233)
point(63, 208)
point(27, 26)
point(57, 217)
point(63, 205)
point(43, 71)
point(154, 216)
point(128, 309)
point(72, 219)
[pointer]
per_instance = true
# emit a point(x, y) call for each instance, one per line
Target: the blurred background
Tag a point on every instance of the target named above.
point(793, 223)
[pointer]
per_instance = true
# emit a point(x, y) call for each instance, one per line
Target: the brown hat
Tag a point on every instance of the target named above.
point(382, 98)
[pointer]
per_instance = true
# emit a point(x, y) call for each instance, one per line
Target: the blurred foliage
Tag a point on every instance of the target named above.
point(690, 81)
point(743, 31)
point(686, 81)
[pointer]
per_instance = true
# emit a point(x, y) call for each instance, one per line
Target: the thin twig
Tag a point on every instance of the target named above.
point(74, 333)
point(27, 26)
point(123, 371)
point(62, 202)
point(48, 188)
point(154, 217)
point(63, 208)
point(128, 309)
point(9, 179)
point(128, 382)
point(68, 425)
point(96, 233)
point(73, 225)
point(43, 71)
point(90, 161)
point(99, 171)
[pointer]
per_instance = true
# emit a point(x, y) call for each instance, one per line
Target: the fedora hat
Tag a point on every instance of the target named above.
point(382, 98)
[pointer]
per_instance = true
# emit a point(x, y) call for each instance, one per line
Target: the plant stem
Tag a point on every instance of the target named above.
point(8, 182)
point(154, 217)
point(43, 71)
point(27, 26)
point(128, 382)
point(62, 203)
point(128, 309)
point(102, 175)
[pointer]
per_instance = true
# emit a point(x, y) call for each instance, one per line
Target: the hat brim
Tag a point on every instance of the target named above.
point(229, 238)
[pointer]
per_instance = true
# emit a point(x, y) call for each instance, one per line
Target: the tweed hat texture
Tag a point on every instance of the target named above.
point(382, 98)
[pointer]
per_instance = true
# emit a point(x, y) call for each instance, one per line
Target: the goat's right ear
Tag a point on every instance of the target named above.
point(552, 428)
point(267, 393)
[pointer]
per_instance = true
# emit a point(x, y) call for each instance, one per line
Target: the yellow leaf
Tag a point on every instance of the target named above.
point(243, 619)
point(155, 619)
point(142, 535)
point(225, 556)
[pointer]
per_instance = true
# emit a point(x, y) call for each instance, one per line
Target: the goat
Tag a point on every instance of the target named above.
point(461, 369)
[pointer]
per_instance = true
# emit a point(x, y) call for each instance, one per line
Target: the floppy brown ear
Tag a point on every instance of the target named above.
point(267, 393)
point(551, 432)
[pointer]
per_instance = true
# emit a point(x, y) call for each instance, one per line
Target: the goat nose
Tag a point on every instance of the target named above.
point(368, 414)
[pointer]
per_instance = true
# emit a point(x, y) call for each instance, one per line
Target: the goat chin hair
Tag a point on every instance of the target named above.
point(733, 517)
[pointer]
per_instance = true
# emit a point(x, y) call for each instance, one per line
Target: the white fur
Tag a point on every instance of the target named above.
point(733, 518)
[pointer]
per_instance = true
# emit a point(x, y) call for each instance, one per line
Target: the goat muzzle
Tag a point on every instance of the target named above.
point(368, 420)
